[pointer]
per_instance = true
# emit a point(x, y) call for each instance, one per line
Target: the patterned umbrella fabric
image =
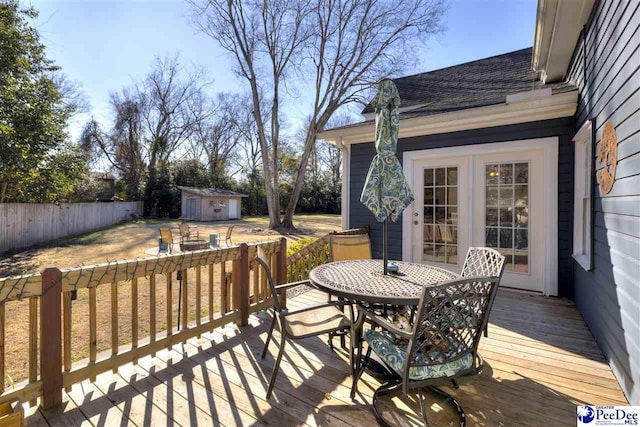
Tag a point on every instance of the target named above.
point(386, 192)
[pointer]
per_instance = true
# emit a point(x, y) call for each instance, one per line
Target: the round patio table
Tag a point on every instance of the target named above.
point(363, 280)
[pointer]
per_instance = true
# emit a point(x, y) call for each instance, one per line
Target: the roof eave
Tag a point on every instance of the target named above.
point(558, 26)
point(535, 109)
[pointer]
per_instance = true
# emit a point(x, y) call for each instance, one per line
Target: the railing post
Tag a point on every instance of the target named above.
point(51, 338)
point(282, 270)
point(240, 277)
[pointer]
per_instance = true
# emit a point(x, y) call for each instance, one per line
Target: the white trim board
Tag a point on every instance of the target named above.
point(531, 109)
point(550, 149)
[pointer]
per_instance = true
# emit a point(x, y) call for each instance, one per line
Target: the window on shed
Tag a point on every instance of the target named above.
point(582, 196)
point(222, 203)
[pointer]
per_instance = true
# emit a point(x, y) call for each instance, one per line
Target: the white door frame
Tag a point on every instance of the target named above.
point(549, 146)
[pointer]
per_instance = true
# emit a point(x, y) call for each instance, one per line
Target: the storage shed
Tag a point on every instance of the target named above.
point(210, 204)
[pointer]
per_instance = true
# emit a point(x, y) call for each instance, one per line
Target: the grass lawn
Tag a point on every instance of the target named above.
point(127, 241)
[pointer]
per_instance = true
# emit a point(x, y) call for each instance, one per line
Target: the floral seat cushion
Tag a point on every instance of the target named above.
point(394, 354)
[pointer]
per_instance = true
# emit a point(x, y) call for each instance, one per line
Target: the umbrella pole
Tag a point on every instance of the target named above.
point(385, 256)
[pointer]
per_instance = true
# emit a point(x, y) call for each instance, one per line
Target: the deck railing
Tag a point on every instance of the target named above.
point(229, 298)
point(316, 253)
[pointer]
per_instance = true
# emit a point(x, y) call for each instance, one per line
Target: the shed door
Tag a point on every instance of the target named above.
point(233, 209)
point(191, 209)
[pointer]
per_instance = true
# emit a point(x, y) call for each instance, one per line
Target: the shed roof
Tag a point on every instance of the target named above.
point(211, 192)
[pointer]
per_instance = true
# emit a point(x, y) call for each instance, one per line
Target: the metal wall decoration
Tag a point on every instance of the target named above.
point(607, 158)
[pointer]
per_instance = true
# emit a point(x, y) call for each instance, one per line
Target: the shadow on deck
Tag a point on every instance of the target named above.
point(541, 361)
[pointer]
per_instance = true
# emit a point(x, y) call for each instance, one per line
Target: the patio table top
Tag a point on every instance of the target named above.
point(363, 280)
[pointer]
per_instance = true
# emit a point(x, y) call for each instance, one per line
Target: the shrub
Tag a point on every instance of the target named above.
point(299, 244)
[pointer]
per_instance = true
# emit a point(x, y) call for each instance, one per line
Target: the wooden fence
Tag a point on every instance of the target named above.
point(27, 224)
point(229, 298)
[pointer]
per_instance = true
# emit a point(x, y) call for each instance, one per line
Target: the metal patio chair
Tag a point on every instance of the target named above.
point(227, 237)
point(307, 322)
point(186, 232)
point(485, 262)
point(347, 247)
point(167, 238)
point(443, 345)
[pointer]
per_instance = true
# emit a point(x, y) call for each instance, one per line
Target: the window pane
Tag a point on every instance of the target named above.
point(428, 196)
point(522, 217)
point(521, 238)
point(428, 215)
point(506, 238)
point(521, 261)
point(506, 174)
point(428, 177)
point(522, 195)
point(428, 252)
point(522, 173)
point(452, 254)
point(492, 217)
point(506, 195)
point(452, 195)
point(428, 233)
point(440, 214)
point(452, 176)
point(440, 196)
point(506, 219)
point(439, 253)
point(440, 174)
point(491, 237)
point(492, 174)
point(452, 215)
point(452, 233)
point(492, 196)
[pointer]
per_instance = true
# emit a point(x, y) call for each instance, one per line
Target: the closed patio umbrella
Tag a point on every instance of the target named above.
point(386, 192)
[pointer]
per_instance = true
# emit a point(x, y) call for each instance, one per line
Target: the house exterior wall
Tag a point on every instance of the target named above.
point(362, 154)
point(605, 68)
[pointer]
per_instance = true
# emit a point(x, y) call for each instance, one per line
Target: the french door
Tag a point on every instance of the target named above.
point(494, 200)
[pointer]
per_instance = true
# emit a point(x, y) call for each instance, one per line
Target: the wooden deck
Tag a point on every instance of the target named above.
point(541, 361)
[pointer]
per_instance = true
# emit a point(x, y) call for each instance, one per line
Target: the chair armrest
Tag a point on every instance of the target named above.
point(292, 284)
point(316, 306)
point(381, 321)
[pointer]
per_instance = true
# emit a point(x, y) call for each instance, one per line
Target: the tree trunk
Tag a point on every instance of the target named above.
point(287, 220)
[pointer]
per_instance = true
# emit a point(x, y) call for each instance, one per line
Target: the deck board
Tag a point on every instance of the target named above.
point(541, 361)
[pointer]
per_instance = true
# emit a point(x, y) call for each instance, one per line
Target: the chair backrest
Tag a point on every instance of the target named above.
point(184, 228)
point(229, 230)
point(345, 247)
point(483, 262)
point(165, 235)
point(449, 322)
point(261, 259)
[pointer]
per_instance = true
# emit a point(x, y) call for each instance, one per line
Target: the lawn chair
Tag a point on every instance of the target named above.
point(485, 262)
point(186, 232)
point(302, 323)
point(167, 238)
point(346, 247)
point(227, 238)
point(443, 345)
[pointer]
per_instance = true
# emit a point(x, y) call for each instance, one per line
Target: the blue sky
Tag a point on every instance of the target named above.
point(106, 45)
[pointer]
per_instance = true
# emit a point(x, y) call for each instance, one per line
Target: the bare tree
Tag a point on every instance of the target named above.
point(339, 47)
point(258, 32)
point(122, 146)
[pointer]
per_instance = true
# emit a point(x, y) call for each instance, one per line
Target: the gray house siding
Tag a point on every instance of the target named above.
point(605, 67)
point(362, 154)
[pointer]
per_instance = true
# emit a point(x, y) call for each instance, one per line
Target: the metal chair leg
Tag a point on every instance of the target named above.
point(276, 367)
point(361, 365)
point(266, 344)
point(454, 402)
point(386, 388)
point(423, 407)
